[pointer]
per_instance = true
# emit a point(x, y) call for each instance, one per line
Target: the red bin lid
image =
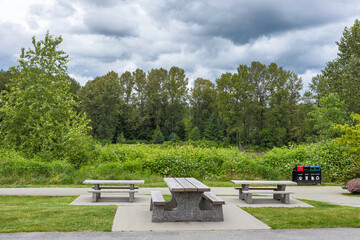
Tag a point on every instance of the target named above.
point(300, 168)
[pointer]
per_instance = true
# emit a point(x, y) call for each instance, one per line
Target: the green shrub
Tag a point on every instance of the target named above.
point(330, 157)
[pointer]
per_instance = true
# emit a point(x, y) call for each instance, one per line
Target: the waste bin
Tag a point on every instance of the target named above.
point(307, 174)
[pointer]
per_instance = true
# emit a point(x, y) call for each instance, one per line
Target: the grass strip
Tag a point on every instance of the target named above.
point(52, 214)
point(351, 194)
point(322, 215)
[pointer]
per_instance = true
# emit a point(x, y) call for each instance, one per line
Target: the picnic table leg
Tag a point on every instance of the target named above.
point(131, 194)
point(244, 187)
point(279, 188)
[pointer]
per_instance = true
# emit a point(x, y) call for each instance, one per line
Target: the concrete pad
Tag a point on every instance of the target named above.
point(264, 202)
point(329, 194)
point(138, 219)
point(113, 199)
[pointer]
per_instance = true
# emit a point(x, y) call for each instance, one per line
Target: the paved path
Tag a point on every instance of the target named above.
point(296, 234)
point(330, 194)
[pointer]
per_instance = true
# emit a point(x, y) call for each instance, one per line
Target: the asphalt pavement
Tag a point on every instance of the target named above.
point(296, 234)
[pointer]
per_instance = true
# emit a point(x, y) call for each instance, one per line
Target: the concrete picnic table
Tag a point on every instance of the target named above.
point(97, 189)
point(191, 200)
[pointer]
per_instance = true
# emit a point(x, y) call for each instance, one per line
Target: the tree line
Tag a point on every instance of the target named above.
point(259, 104)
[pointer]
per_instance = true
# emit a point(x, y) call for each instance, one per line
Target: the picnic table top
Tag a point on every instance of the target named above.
point(185, 185)
point(114, 182)
point(263, 182)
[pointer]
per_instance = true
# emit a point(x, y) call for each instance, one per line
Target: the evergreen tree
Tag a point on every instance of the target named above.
point(195, 134)
point(158, 137)
point(212, 128)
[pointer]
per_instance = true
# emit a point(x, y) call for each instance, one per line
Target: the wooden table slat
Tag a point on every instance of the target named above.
point(188, 187)
point(199, 185)
point(174, 185)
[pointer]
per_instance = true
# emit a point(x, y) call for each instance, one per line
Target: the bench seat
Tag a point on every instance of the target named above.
point(257, 188)
point(112, 191)
point(157, 198)
point(213, 198)
point(157, 201)
point(283, 196)
point(96, 193)
point(116, 187)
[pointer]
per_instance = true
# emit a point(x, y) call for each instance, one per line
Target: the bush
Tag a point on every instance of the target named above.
point(353, 185)
point(334, 166)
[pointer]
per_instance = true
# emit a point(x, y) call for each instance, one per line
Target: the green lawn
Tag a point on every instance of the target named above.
point(323, 215)
point(351, 194)
point(52, 214)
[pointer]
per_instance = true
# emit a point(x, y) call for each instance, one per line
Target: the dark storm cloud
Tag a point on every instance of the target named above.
point(241, 21)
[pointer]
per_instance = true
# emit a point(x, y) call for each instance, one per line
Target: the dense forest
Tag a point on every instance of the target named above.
point(258, 105)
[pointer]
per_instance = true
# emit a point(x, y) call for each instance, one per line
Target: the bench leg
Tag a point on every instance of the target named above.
point(285, 198)
point(279, 196)
point(158, 214)
point(94, 197)
point(244, 187)
point(248, 198)
point(131, 197)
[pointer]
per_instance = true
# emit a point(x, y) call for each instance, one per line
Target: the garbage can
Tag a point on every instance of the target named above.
point(307, 174)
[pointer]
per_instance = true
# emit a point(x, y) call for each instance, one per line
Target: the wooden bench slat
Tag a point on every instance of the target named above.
point(114, 182)
point(157, 198)
point(113, 191)
point(258, 188)
point(213, 198)
point(116, 187)
point(254, 182)
point(174, 185)
point(267, 192)
point(199, 185)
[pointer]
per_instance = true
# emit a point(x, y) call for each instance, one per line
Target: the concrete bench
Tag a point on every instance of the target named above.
point(96, 193)
point(283, 196)
point(157, 199)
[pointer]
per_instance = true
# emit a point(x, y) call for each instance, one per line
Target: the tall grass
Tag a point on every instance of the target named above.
point(152, 162)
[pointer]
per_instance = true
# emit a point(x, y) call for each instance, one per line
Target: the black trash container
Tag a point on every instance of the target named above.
point(307, 175)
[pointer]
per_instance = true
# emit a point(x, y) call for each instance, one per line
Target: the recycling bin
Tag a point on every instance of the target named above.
point(307, 174)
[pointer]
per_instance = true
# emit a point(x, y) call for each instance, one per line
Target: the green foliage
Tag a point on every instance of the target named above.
point(17, 168)
point(38, 113)
point(174, 138)
point(326, 116)
point(158, 137)
point(350, 139)
point(213, 129)
point(342, 75)
point(203, 102)
point(334, 166)
point(203, 159)
point(100, 100)
point(195, 134)
point(257, 98)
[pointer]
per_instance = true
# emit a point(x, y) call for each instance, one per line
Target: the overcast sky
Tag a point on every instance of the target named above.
point(206, 38)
